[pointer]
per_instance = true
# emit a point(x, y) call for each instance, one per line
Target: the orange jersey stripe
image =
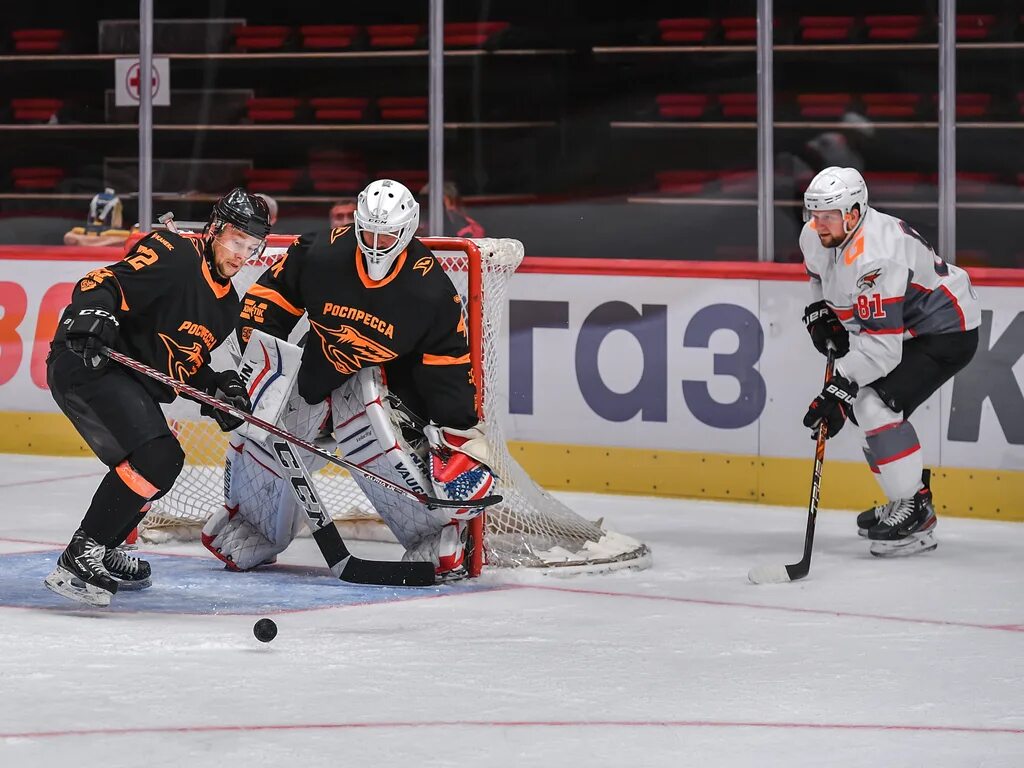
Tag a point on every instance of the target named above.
point(446, 360)
point(273, 296)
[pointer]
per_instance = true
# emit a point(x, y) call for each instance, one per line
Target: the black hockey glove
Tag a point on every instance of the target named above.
point(88, 332)
point(229, 387)
point(832, 406)
point(824, 326)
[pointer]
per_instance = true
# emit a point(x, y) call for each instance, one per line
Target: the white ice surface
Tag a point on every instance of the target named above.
point(911, 662)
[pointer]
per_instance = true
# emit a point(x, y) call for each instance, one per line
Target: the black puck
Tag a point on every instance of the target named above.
point(265, 630)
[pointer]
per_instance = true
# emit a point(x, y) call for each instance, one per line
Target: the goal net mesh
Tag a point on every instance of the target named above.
point(528, 528)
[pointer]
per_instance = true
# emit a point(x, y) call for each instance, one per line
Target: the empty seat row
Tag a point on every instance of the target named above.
point(382, 36)
point(347, 109)
point(816, 29)
point(329, 178)
point(828, 106)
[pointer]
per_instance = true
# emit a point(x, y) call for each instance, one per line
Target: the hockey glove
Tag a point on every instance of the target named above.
point(458, 468)
point(229, 387)
point(824, 326)
point(832, 406)
point(88, 332)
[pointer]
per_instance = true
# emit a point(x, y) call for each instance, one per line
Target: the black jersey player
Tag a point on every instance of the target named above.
point(168, 304)
point(376, 296)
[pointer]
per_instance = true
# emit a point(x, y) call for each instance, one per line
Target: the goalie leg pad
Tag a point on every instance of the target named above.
point(369, 434)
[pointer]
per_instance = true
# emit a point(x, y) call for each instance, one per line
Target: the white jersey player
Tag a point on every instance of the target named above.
point(903, 323)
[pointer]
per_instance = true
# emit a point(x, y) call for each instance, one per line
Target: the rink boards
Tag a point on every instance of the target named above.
point(663, 378)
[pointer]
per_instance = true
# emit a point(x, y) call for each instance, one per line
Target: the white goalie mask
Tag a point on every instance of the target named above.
point(839, 189)
point(386, 218)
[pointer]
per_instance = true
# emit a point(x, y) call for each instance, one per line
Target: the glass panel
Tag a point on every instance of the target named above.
point(990, 129)
point(857, 88)
point(303, 104)
point(55, 132)
point(601, 135)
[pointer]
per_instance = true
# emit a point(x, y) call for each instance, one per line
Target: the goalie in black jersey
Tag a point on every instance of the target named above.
point(168, 304)
point(385, 374)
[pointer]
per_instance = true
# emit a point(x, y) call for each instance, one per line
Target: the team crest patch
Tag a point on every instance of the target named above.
point(182, 361)
point(424, 265)
point(348, 350)
point(868, 279)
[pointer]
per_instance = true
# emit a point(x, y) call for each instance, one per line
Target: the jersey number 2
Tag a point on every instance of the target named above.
point(870, 306)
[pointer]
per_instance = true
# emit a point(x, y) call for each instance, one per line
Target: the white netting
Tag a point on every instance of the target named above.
point(528, 528)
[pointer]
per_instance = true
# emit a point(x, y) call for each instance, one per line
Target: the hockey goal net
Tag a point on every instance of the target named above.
point(528, 528)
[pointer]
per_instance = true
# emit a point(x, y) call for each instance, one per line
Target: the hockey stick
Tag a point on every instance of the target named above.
point(220, 405)
point(779, 574)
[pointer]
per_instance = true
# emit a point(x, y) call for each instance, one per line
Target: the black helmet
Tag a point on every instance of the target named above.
point(243, 211)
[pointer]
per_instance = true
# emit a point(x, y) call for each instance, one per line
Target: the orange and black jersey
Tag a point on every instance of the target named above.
point(172, 311)
point(410, 322)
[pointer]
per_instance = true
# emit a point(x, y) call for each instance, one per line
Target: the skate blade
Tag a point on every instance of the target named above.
point(66, 584)
point(914, 544)
point(129, 586)
point(863, 532)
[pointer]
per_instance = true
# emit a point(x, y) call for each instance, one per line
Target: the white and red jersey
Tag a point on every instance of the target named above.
point(886, 284)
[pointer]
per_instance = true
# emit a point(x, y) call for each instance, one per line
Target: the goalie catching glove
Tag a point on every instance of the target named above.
point(459, 461)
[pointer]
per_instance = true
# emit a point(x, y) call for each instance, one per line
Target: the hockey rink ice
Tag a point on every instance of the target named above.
point(867, 662)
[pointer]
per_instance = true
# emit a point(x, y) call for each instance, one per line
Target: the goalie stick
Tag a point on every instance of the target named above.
point(780, 574)
point(202, 397)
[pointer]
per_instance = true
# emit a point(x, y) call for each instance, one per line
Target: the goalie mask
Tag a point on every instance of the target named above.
point(386, 218)
point(839, 189)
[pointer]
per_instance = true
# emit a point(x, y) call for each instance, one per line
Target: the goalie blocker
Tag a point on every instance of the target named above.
point(261, 515)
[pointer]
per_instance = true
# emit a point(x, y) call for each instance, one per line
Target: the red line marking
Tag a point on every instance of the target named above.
point(784, 608)
point(371, 725)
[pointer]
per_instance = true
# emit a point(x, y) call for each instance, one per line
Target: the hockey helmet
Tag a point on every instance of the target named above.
point(247, 213)
point(839, 189)
point(386, 208)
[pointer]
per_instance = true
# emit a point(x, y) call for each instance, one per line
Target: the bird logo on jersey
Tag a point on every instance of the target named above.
point(868, 280)
point(348, 350)
point(182, 362)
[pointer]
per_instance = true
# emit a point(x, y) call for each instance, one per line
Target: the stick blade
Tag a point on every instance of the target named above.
point(386, 573)
point(768, 574)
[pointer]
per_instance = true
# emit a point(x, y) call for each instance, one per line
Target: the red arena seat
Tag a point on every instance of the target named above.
point(35, 110)
point(328, 36)
point(272, 179)
point(825, 29)
point(37, 178)
point(975, 184)
point(685, 31)
point(820, 106)
point(346, 109)
point(891, 105)
point(472, 34)
point(740, 29)
point(739, 183)
point(38, 40)
point(402, 107)
point(394, 35)
point(738, 104)
point(273, 109)
point(898, 28)
point(262, 38)
point(975, 26)
point(337, 179)
point(682, 106)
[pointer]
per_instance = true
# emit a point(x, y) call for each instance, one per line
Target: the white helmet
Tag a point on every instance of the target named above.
point(385, 207)
point(837, 188)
